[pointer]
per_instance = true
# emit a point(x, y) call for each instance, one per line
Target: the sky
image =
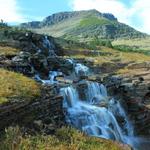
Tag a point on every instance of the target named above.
point(132, 12)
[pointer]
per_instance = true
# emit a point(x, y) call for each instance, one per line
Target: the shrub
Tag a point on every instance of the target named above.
point(100, 42)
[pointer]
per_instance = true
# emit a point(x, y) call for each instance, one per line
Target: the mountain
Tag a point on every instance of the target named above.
point(83, 25)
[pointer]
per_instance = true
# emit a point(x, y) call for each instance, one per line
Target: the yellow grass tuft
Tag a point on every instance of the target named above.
point(64, 139)
point(16, 85)
point(6, 50)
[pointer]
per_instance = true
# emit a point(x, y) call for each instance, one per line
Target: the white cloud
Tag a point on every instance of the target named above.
point(142, 7)
point(139, 9)
point(9, 11)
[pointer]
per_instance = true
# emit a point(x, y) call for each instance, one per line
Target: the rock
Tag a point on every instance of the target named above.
point(133, 89)
point(139, 65)
point(83, 77)
point(96, 78)
point(38, 124)
point(141, 79)
point(61, 64)
point(63, 80)
point(82, 88)
point(103, 104)
point(35, 114)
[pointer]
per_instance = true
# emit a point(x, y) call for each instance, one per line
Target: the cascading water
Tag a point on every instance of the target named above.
point(47, 44)
point(96, 115)
point(81, 69)
point(51, 77)
point(91, 118)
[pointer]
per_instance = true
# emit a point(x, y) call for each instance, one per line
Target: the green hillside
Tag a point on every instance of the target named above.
point(83, 26)
point(141, 45)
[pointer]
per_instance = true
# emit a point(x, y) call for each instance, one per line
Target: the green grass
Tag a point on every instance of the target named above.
point(114, 57)
point(141, 45)
point(16, 85)
point(91, 21)
point(64, 139)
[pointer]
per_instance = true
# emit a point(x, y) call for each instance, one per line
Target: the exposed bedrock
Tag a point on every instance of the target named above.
point(42, 114)
point(134, 90)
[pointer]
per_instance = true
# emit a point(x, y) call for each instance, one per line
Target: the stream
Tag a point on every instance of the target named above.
point(97, 114)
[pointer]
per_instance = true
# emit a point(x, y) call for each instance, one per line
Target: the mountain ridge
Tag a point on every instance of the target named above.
point(57, 17)
point(83, 25)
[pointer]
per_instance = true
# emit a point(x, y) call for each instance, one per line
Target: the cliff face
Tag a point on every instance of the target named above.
point(133, 88)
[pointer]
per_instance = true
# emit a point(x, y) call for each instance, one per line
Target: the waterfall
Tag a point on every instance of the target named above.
point(81, 69)
point(97, 115)
point(90, 118)
point(51, 77)
point(46, 42)
point(96, 92)
point(50, 46)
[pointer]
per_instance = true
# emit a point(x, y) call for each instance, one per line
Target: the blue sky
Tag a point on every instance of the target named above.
point(132, 12)
point(38, 9)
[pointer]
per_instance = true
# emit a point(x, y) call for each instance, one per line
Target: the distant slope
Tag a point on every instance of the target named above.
point(83, 25)
point(141, 45)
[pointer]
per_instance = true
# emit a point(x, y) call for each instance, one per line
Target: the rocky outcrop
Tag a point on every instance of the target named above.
point(133, 88)
point(31, 42)
point(32, 64)
point(42, 114)
point(62, 16)
point(90, 53)
point(140, 65)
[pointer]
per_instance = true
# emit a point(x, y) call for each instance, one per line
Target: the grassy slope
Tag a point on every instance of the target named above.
point(64, 139)
point(71, 26)
point(85, 25)
point(15, 85)
point(141, 44)
point(115, 56)
point(93, 20)
point(61, 28)
point(6, 50)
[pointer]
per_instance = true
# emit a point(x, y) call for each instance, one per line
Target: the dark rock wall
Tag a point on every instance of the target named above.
point(30, 42)
point(133, 98)
point(44, 113)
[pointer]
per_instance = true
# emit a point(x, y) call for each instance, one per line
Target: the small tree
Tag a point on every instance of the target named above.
point(2, 23)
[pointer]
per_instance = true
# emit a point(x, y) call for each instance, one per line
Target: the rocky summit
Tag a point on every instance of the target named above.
point(83, 25)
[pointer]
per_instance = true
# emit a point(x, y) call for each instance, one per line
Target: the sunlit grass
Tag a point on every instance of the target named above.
point(115, 56)
point(16, 85)
point(6, 50)
point(123, 71)
point(90, 21)
point(143, 44)
point(64, 139)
